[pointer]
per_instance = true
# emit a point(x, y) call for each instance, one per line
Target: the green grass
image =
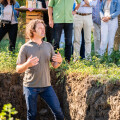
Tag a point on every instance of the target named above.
point(106, 67)
point(7, 59)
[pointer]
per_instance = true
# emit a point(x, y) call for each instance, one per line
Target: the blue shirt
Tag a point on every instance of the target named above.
point(74, 5)
point(16, 13)
point(96, 13)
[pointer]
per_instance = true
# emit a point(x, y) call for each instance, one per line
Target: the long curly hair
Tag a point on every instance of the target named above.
point(31, 26)
point(5, 2)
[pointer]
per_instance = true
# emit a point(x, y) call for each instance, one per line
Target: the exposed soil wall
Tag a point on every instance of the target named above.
point(87, 99)
point(81, 97)
point(11, 91)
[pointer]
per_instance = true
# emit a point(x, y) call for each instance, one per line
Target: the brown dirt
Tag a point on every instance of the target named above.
point(86, 99)
point(81, 97)
point(11, 91)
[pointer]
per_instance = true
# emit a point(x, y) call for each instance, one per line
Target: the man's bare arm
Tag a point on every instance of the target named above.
point(55, 64)
point(91, 3)
point(86, 5)
point(76, 8)
point(22, 67)
point(57, 60)
point(50, 11)
point(86, 2)
point(32, 61)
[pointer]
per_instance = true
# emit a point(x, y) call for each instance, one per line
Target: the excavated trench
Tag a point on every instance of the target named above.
point(81, 97)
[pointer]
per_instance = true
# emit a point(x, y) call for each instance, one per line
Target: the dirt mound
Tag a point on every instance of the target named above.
point(82, 97)
point(11, 91)
point(86, 99)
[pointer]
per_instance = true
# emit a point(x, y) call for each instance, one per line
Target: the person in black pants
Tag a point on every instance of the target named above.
point(82, 49)
point(49, 30)
point(12, 32)
point(9, 23)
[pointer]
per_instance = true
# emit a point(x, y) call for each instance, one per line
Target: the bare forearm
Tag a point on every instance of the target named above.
point(22, 67)
point(77, 7)
point(91, 3)
point(86, 2)
point(86, 5)
point(56, 64)
point(50, 11)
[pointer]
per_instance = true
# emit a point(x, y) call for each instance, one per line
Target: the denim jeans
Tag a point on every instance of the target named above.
point(67, 27)
point(48, 95)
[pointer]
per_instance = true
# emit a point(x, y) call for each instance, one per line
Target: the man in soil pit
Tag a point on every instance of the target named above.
point(33, 59)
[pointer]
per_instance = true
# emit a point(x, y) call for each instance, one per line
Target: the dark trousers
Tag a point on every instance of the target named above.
point(68, 37)
point(82, 50)
point(49, 30)
point(82, 47)
point(49, 34)
point(11, 29)
point(48, 95)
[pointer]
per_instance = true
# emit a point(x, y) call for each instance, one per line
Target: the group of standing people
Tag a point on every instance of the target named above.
point(105, 22)
point(102, 14)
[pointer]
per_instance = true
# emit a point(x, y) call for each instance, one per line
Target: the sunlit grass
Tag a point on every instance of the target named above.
point(8, 59)
point(106, 67)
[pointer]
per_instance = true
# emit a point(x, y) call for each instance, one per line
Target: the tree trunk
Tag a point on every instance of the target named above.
point(117, 37)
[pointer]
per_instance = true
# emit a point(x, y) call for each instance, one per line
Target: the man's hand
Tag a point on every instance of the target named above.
point(51, 23)
point(85, 5)
point(57, 58)
point(73, 12)
point(32, 61)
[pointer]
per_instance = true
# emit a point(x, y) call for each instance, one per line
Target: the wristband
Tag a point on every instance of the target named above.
point(75, 10)
point(59, 62)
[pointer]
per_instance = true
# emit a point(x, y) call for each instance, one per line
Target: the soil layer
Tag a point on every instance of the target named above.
point(82, 97)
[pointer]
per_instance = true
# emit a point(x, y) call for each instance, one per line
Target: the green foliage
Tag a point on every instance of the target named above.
point(21, 2)
point(8, 59)
point(8, 112)
point(106, 67)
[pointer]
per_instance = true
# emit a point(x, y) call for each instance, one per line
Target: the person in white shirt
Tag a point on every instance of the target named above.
point(9, 22)
point(83, 19)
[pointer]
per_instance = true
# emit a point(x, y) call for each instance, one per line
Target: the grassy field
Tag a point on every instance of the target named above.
point(7, 59)
point(107, 67)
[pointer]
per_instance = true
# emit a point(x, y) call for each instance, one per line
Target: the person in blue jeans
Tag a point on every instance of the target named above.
point(33, 59)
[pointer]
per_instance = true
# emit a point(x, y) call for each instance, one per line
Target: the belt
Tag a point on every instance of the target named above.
point(83, 14)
